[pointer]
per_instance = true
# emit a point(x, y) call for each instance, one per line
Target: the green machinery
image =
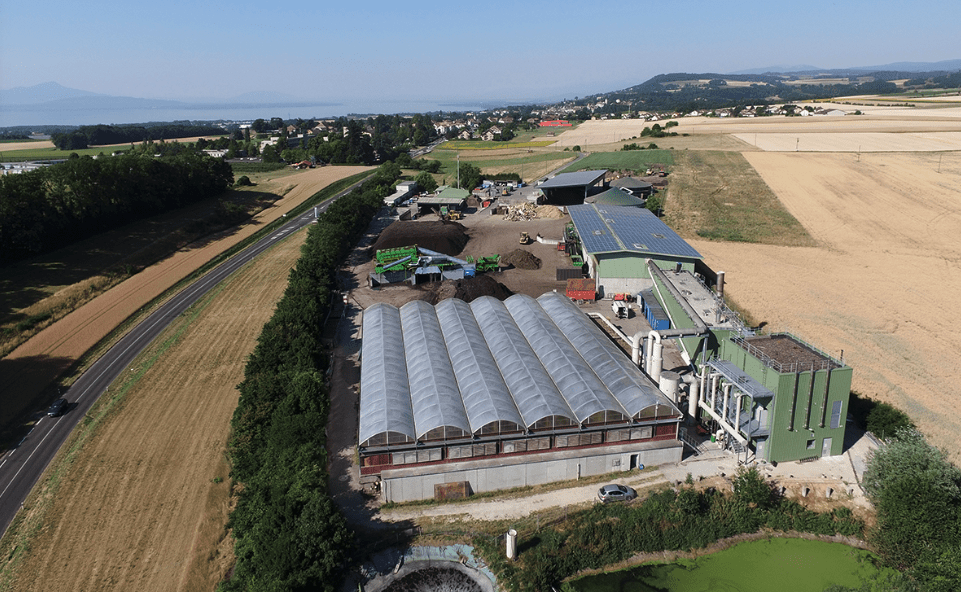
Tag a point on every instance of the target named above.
point(489, 263)
point(395, 259)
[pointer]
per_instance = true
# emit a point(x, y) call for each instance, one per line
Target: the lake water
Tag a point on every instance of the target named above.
point(16, 115)
point(790, 565)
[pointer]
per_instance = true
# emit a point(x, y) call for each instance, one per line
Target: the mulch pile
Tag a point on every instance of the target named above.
point(467, 289)
point(448, 238)
point(520, 259)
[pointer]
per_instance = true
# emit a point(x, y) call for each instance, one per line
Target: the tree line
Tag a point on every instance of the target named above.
point(289, 534)
point(51, 207)
point(99, 135)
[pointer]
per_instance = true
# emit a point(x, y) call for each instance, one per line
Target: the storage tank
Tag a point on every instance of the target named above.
point(668, 383)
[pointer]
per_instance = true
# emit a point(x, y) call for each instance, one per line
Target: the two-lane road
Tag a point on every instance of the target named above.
point(21, 467)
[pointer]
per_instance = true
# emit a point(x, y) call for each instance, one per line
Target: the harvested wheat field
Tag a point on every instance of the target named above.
point(143, 505)
point(883, 283)
point(36, 363)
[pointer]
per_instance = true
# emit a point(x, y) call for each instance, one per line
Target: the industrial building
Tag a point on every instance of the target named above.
point(494, 394)
point(571, 188)
point(772, 397)
point(616, 242)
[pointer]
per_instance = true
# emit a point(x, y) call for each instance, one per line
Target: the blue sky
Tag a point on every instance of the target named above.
point(430, 50)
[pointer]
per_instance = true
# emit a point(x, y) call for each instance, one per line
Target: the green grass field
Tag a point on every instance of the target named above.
point(482, 145)
point(798, 565)
point(719, 196)
point(51, 153)
point(623, 160)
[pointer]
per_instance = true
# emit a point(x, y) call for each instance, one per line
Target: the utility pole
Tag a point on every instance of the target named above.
point(458, 170)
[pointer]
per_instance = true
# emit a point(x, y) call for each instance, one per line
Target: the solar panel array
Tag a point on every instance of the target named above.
point(606, 229)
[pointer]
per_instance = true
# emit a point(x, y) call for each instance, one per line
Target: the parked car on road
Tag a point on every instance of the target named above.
point(58, 408)
point(616, 493)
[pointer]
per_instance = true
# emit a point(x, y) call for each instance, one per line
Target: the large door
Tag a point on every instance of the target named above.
point(826, 448)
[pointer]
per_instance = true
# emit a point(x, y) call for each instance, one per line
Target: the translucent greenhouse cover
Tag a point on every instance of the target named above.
point(486, 396)
point(531, 386)
point(384, 391)
point(434, 395)
point(462, 367)
point(579, 385)
point(630, 386)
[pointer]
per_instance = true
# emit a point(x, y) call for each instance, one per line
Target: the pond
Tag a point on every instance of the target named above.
point(797, 565)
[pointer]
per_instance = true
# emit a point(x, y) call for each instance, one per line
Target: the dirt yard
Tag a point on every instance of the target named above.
point(29, 369)
point(488, 235)
point(883, 283)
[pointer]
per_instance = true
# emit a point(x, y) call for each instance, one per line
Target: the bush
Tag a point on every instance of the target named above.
point(244, 181)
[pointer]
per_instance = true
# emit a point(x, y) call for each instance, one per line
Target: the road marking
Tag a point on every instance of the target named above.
point(25, 463)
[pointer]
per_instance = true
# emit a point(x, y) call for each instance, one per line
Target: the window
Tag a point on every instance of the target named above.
point(810, 444)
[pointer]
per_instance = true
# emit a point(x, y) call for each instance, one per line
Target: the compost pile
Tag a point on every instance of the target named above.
point(520, 259)
point(467, 289)
point(448, 238)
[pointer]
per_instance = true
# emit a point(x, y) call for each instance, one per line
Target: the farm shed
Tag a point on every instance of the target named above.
point(617, 241)
point(571, 188)
point(501, 394)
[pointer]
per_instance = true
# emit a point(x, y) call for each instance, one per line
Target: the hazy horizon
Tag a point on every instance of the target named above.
point(431, 52)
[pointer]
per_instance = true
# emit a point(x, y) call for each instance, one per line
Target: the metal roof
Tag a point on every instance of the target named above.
point(578, 179)
point(608, 229)
point(740, 379)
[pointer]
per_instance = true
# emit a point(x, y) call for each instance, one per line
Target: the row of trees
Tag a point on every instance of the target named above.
point(51, 207)
point(668, 520)
point(99, 135)
point(289, 534)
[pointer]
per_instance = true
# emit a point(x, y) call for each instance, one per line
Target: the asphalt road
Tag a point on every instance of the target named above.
point(22, 466)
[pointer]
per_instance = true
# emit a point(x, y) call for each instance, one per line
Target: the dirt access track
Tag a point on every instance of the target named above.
point(33, 366)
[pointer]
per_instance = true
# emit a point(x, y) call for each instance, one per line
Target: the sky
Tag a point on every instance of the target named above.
point(430, 50)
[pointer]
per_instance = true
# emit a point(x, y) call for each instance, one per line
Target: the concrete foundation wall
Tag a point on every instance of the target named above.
point(416, 483)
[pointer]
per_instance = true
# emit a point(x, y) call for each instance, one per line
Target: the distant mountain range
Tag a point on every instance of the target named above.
point(946, 65)
point(54, 97)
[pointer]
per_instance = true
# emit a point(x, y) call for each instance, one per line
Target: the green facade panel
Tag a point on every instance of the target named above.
point(809, 406)
point(634, 265)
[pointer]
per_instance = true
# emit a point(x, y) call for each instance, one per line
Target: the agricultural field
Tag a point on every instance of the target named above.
point(46, 285)
point(529, 163)
point(139, 496)
point(876, 288)
point(636, 160)
point(482, 145)
point(863, 257)
point(719, 196)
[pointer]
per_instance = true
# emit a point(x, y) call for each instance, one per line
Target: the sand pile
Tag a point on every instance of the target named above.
point(448, 238)
point(520, 259)
point(467, 289)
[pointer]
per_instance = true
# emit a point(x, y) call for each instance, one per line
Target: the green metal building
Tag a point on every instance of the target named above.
point(790, 400)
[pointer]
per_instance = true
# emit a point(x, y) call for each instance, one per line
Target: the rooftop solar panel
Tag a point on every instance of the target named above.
point(604, 229)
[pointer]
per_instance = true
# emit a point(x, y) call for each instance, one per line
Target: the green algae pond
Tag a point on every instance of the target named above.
point(797, 565)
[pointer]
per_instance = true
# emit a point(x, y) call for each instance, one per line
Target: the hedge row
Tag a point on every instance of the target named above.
point(289, 534)
point(668, 520)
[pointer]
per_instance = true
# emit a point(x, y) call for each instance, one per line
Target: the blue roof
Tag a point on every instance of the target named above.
point(608, 229)
point(578, 179)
